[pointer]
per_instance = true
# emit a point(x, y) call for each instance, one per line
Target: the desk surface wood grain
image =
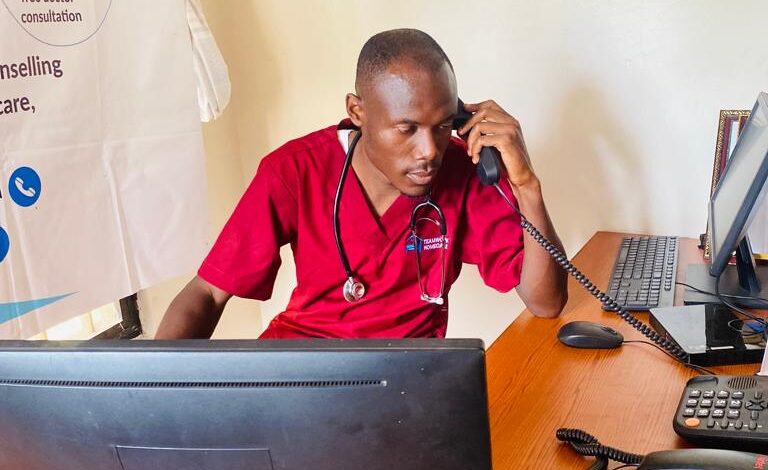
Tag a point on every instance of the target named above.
point(625, 397)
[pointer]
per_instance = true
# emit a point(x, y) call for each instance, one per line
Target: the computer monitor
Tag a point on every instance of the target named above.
point(732, 206)
point(237, 405)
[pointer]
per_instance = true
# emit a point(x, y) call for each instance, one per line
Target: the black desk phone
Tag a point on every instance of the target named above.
point(724, 411)
point(683, 459)
point(703, 459)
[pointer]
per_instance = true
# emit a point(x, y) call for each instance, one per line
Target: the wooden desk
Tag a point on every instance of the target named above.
point(625, 397)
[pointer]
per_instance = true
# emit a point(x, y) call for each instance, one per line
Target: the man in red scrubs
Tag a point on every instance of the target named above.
point(404, 102)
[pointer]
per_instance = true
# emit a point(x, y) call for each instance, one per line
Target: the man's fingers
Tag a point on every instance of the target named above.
point(487, 114)
point(506, 143)
point(487, 104)
point(488, 127)
point(492, 127)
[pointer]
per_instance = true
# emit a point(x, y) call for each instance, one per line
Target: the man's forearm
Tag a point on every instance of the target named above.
point(182, 324)
point(194, 313)
point(543, 284)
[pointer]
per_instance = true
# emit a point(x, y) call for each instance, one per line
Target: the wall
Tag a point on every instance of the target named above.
point(618, 99)
point(226, 181)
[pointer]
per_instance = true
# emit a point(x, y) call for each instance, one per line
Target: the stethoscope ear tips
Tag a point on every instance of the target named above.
point(354, 290)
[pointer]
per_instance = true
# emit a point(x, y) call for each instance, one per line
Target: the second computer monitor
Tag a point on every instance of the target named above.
point(732, 206)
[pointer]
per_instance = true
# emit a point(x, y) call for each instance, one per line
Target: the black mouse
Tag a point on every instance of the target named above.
point(588, 335)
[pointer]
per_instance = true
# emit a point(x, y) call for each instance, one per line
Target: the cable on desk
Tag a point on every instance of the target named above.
point(730, 305)
point(686, 364)
point(605, 299)
point(601, 463)
point(732, 296)
point(723, 298)
point(588, 445)
point(740, 329)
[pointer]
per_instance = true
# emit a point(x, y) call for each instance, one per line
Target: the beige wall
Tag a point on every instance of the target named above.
point(618, 99)
point(226, 180)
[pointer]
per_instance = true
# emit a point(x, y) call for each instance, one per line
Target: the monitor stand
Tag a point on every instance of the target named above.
point(744, 279)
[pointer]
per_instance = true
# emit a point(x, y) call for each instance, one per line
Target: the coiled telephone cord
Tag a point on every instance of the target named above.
point(604, 298)
point(588, 445)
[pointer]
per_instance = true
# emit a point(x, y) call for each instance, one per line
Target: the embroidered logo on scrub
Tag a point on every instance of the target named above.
point(413, 243)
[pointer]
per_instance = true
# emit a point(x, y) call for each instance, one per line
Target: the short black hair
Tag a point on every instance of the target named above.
point(384, 48)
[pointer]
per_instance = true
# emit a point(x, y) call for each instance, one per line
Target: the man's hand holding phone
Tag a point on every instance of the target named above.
point(491, 126)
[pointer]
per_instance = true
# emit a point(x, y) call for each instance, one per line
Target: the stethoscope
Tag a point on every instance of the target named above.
point(354, 289)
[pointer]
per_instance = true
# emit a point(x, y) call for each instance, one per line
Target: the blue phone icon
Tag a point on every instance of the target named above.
point(24, 186)
point(5, 244)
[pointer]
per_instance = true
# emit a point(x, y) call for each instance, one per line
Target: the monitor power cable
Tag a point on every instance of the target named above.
point(733, 307)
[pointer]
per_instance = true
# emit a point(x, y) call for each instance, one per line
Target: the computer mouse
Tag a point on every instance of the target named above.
point(589, 335)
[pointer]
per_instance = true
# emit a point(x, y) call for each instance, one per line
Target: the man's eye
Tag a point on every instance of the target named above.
point(406, 129)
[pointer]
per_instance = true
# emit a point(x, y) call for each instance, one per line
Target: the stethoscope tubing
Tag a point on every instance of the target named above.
point(354, 289)
point(337, 203)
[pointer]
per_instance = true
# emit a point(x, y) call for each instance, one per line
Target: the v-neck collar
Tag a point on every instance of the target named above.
point(391, 223)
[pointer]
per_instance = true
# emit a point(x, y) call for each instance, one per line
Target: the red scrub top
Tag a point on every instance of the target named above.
point(290, 200)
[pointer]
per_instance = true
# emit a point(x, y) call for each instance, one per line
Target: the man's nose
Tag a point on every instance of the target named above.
point(426, 146)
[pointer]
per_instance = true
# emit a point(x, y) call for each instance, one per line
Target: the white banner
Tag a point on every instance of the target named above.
point(102, 183)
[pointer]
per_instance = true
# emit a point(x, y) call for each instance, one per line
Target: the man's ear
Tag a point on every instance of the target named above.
point(355, 109)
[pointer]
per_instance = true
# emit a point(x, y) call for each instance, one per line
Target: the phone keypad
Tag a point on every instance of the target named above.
point(713, 412)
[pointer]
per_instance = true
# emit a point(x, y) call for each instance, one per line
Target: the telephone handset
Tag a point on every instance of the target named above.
point(23, 189)
point(489, 166)
point(684, 459)
point(702, 459)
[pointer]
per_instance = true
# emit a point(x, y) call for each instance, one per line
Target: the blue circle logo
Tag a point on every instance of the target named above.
point(24, 186)
point(5, 244)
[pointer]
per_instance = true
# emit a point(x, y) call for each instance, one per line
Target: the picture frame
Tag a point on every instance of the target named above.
point(730, 123)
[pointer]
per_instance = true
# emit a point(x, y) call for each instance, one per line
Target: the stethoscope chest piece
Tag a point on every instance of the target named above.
point(354, 290)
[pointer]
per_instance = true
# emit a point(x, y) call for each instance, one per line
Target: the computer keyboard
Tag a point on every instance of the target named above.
point(644, 272)
point(724, 411)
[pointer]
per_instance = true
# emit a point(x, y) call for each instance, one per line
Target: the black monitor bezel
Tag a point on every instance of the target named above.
point(253, 403)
